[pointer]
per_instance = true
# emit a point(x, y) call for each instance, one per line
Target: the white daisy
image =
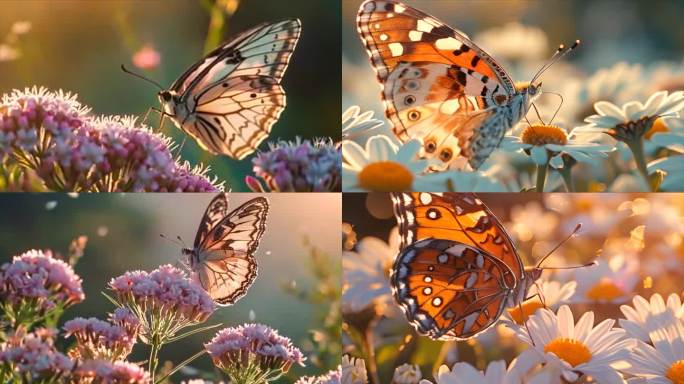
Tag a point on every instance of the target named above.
point(647, 316)
point(661, 363)
point(407, 374)
point(353, 121)
point(607, 282)
point(382, 166)
point(495, 373)
point(459, 181)
point(543, 294)
point(366, 272)
point(634, 119)
point(353, 371)
point(548, 143)
point(577, 349)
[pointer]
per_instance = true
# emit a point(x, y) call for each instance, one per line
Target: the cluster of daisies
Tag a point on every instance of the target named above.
point(619, 129)
point(154, 308)
point(599, 324)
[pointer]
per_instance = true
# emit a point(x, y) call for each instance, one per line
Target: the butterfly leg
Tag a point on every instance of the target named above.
point(147, 114)
point(527, 328)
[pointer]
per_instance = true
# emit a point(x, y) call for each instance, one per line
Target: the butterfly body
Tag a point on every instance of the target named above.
point(229, 101)
point(438, 86)
point(458, 269)
point(222, 257)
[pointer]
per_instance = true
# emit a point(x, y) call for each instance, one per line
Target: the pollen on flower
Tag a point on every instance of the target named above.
point(658, 127)
point(676, 372)
point(539, 135)
point(604, 290)
point(525, 310)
point(385, 176)
point(572, 351)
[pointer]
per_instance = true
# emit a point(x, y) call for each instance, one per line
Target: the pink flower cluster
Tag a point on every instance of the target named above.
point(33, 357)
point(107, 372)
point(165, 292)
point(97, 339)
point(237, 348)
point(52, 135)
point(37, 283)
point(332, 377)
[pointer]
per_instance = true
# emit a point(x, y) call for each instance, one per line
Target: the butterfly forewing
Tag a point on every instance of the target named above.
point(461, 217)
point(449, 290)
point(225, 264)
point(234, 94)
point(436, 83)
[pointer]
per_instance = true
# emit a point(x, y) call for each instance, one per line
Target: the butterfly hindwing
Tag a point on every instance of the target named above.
point(449, 290)
point(227, 275)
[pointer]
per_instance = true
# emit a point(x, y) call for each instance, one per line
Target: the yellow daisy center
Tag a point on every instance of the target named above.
point(539, 135)
point(604, 290)
point(676, 372)
point(569, 350)
point(658, 126)
point(385, 176)
point(525, 310)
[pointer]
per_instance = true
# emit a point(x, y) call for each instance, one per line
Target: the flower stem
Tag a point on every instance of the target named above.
point(181, 365)
point(541, 176)
point(566, 173)
point(154, 351)
point(370, 353)
point(637, 148)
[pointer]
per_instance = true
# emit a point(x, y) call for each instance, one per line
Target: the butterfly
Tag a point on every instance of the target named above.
point(440, 87)
point(222, 257)
point(458, 269)
point(229, 100)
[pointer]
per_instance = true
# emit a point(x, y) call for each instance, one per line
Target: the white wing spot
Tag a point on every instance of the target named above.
point(396, 49)
point(427, 291)
point(416, 35)
point(384, 37)
point(427, 279)
point(437, 301)
point(448, 43)
point(449, 107)
point(423, 26)
point(480, 261)
point(443, 258)
point(425, 198)
point(398, 8)
point(472, 279)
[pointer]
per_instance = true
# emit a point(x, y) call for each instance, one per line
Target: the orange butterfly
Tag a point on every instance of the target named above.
point(458, 269)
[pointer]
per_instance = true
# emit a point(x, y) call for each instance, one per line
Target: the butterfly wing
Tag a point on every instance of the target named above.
point(226, 266)
point(436, 83)
point(460, 217)
point(234, 93)
point(449, 290)
point(215, 212)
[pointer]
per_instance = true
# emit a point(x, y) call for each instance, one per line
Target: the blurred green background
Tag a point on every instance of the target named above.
point(123, 232)
point(78, 46)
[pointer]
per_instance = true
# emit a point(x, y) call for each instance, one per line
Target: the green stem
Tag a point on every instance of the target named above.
point(370, 354)
point(566, 173)
point(541, 176)
point(181, 365)
point(154, 351)
point(637, 148)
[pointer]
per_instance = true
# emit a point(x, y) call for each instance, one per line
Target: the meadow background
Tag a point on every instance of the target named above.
point(78, 46)
point(299, 246)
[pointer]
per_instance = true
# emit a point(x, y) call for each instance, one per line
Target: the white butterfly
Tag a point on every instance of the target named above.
point(222, 257)
point(229, 100)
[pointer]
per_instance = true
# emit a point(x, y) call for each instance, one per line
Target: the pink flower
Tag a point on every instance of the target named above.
point(332, 377)
point(97, 339)
point(79, 152)
point(35, 284)
point(147, 58)
point(106, 372)
point(33, 357)
point(165, 298)
point(253, 348)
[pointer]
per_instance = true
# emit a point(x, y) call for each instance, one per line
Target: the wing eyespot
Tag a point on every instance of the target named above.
point(430, 146)
point(445, 155)
point(414, 115)
point(409, 100)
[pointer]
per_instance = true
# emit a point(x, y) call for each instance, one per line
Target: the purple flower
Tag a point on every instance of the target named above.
point(32, 357)
point(107, 372)
point(35, 285)
point(52, 136)
point(164, 301)
point(253, 353)
point(299, 166)
point(332, 377)
point(97, 339)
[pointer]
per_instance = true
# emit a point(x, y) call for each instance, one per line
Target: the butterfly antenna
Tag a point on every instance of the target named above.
point(181, 241)
point(577, 228)
point(536, 111)
point(557, 56)
point(139, 76)
point(171, 240)
point(559, 105)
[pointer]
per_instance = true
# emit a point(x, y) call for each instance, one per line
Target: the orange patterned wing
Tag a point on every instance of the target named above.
point(460, 217)
point(437, 85)
point(449, 290)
